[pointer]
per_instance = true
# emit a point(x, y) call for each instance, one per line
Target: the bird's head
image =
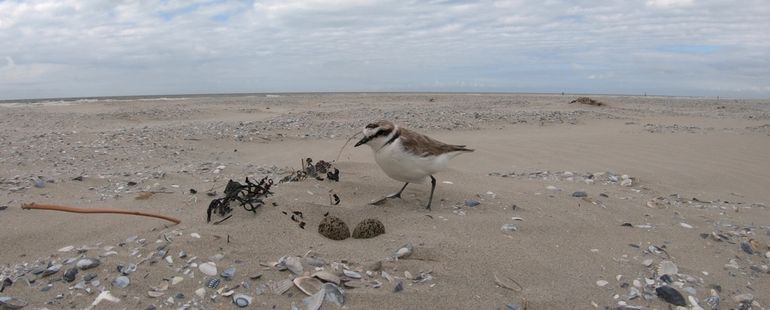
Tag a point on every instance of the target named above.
point(377, 134)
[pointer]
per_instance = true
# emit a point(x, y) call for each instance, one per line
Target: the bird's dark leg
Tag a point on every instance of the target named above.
point(398, 195)
point(432, 188)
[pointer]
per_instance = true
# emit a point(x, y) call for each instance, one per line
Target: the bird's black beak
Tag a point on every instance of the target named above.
point(362, 141)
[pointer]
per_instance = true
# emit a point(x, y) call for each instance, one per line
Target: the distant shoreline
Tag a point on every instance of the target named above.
point(171, 97)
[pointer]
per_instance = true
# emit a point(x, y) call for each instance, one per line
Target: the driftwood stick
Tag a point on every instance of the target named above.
point(36, 206)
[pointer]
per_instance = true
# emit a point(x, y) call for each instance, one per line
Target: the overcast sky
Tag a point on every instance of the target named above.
point(64, 48)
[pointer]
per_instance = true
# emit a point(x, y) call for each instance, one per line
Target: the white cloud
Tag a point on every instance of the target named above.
point(351, 45)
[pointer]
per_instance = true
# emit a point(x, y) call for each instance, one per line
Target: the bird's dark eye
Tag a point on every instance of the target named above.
point(370, 126)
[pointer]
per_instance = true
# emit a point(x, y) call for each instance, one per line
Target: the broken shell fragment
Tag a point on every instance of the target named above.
point(670, 295)
point(404, 251)
point(327, 277)
point(334, 293)
point(308, 285)
point(293, 263)
point(280, 287)
point(7, 302)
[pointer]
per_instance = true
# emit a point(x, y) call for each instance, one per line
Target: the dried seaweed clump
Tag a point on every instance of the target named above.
point(588, 101)
point(368, 228)
point(334, 228)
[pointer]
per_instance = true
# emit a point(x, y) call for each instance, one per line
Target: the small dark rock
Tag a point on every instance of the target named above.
point(193, 191)
point(3, 208)
point(471, 203)
point(746, 247)
point(368, 228)
point(78, 178)
point(151, 307)
point(131, 183)
point(334, 228)
point(579, 194)
point(70, 274)
point(399, 286)
point(670, 295)
point(666, 278)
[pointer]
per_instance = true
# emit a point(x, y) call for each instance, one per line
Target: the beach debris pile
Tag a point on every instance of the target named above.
point(142, 273)
point(314, 171)
point(588, 101)
point(248, 195)
point(601, 177)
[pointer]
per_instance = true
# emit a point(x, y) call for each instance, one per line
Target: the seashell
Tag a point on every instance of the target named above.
point(601, 283)
point(368, 228)
point(313, 261)
point(508, 283)
point(670, 295)
point(154, 294)
point(67, 248)
point(404, 251)
point(667, 267)
point(87, 263)
point(7, 302)
point(327, 277)
point(334, 294)
point(351, 274)
point(228, 273)
point(746, 247)
point(228, 293)
point(127, 270)
point(308, 285)
point(648, 262)
point(121, 282)
point(104, 295)
point(280, 287)
point(212, 283)
point(201, 293)
point(163, 287)
point(334, 228)
point(241, 300)
point(314, 302)
point(176, 279)
point(209, 269)
point(293, 263)
point(355, 284)
point(52, 269)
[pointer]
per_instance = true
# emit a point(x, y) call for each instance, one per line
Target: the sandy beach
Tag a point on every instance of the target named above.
point(609, 203)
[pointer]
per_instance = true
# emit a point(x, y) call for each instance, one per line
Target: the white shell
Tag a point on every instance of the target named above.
point(327, 277)
point(209, 269)
point(308, 285)
point(667, 267)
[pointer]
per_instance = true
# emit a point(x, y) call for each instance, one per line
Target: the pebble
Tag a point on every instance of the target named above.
point(228, 273)
point(209, 269)
point(648, 262)
point(69, 276)
point(11, 303)
point(87, 263)
point(201, 292)
point(471, 203)
point(175, 280)
point(195, 235)
point(579, 194)
point(670, 295)
point(685, 225)
point(51, 270)
point(552, 188)
point(746, 247)
point(121, 282)
point(601, 283)
point(508, 228)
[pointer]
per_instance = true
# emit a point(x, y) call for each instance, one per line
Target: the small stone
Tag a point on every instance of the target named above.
point(39, 182)
point(626, 183)
point(209, 269)
point(601, 283)
point(169, 260)
point(51, 270)
point(508, 228)
point(334, 228)
point(7, 302)
point(368, 228)
point(579, 194)
point(685, 225)
point(175, 280)
point(552, 188)
point(746, 247)
point(470, 203)
point(121, 282)
point(195, 235)
point(647, 262)
point(228, 273)
point(70, 275)
point(670, 295)
point(201, 292)
point(404, 251)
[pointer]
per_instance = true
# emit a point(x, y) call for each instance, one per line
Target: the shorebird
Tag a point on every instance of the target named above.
point(407, 156)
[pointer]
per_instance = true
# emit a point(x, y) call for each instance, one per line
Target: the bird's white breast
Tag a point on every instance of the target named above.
point(403, 166)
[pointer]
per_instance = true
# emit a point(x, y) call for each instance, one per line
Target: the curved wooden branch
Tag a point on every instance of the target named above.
point(36, 206)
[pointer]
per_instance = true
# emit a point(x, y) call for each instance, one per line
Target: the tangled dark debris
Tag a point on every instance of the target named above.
point(248, 195)
point(297, 217)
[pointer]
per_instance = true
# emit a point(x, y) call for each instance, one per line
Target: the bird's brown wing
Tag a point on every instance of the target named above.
point(424, 146)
